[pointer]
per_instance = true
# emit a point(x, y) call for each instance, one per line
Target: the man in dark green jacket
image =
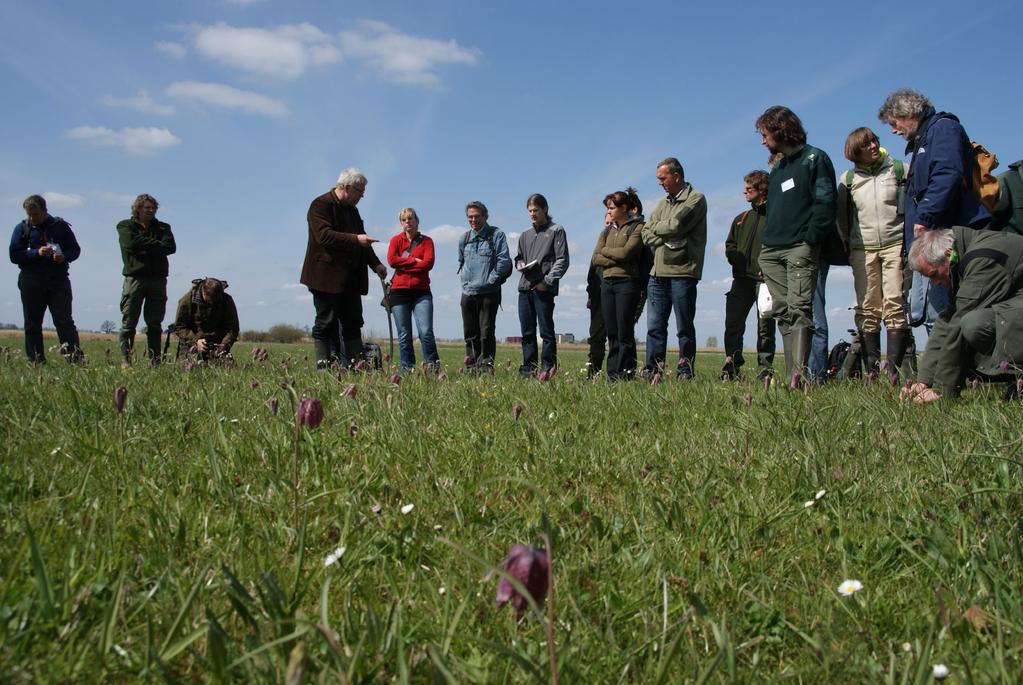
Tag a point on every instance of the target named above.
point(800, 214)
point(1008, 214)
point(207, 320)
point(742, 249)
point(982, 330)
point(145, 243)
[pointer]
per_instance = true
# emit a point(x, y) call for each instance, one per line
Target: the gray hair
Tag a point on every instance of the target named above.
point(34, 202)
point(476, 204)
point(673, 166)
point(931, 247)
point(902, 103)
point(140, 200)
point(351, 177)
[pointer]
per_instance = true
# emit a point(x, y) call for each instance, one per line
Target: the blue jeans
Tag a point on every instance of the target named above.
point(537, 308)
point(404, 308)
point(926, 301)
point(663, 295)
point(819, 343)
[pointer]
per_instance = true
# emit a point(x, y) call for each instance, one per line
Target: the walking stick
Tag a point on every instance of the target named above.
point(386, 302)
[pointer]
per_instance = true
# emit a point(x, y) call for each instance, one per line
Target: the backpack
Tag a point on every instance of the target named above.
point(985, 184)
point(501, 277)
point(841, 361)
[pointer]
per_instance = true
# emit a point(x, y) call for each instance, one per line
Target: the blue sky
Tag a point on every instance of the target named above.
point(235, 114)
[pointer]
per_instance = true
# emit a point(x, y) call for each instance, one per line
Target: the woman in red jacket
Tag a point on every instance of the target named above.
point(411, 256)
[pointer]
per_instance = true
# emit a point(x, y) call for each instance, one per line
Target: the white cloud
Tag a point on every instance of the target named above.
point(119, 199)
point(446, 234)
point(284, 52)
point(226, 97)
point(170, 48)
point(140, 102)
point(56, 200)
point(139, 141)
point(402, 58)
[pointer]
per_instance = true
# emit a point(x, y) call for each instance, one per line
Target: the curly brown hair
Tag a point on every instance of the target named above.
point(783, 125)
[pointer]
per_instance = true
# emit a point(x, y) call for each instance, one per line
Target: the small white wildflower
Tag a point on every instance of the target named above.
point(438, 527)
point(849, 587)
point(939, 671)
point(550, 417)
point(809, 503)
point(820, 493)
point(442, 591)
point(334, 556)
point(376, 508)
point(424, 567)
point(906, 647)
point(120, 651)
point(407, 508)
point(55, 451)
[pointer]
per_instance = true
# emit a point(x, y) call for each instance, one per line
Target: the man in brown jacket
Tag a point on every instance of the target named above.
point(334, 270)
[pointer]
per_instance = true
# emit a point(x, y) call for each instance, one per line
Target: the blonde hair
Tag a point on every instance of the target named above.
point(408, 213)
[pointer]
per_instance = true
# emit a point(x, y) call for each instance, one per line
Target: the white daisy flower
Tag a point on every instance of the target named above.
point(849, 587)
point(334, 556)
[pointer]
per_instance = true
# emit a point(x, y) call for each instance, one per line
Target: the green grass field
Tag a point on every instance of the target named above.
point(166, 545)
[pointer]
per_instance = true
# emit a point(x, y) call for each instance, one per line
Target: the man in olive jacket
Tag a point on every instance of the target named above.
point(982, 330)
point(145, 244)
point(742, 249)
point(1008, 214)
point(677, 233)
point(337, 254)
point(207, 319)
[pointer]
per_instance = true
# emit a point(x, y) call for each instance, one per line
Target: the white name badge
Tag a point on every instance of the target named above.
point(788, 185)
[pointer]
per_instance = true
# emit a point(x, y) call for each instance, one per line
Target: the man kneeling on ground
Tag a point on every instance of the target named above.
point(207, 320)
point(982, 331)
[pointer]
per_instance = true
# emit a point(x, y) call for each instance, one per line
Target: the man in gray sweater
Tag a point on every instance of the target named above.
point(542, 259)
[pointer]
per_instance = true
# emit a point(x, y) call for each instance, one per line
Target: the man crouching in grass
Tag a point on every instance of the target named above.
point(982, 331)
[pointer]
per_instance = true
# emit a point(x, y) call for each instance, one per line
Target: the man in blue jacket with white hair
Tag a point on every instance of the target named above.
point(939, 190)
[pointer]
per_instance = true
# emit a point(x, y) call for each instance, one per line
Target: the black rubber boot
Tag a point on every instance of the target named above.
point(871, 342)
point(801, 340)
point(898, 343)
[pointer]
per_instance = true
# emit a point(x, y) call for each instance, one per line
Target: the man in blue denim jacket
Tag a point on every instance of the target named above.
point(483, 265)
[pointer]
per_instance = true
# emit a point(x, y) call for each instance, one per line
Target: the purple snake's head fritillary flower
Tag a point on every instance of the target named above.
point(253, 385)
point(893, 379)
point(467, 361)
point(767, 382)
point(528, 566)
point(544, 375)
point(516, 411)
point(274, 404)
point(361, 365)
point(120, 395)
point(394, 379)
point(1003, 365)
point(353, 428)
point(747, 399)
point(255, 354)
point(442, 376)
point(975, 383)
point(908, 384)
point(310, 412)
point(796, 381)
point(1019, 387)
point(884, 365)
point(656, 378)
point(349, 391)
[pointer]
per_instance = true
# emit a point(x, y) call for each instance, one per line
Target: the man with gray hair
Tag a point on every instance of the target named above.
point(939, 188)
point(145, 244)
point(982, 329)
point(337, 254)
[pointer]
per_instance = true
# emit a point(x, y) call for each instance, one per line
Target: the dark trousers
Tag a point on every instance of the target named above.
point(619, 297)
point(332, 310)
point(145, 297)
point(738, 303)
point(39, 292)
point(479, 317)
point(598, 332)
point(665, 294)
point(536, 308)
